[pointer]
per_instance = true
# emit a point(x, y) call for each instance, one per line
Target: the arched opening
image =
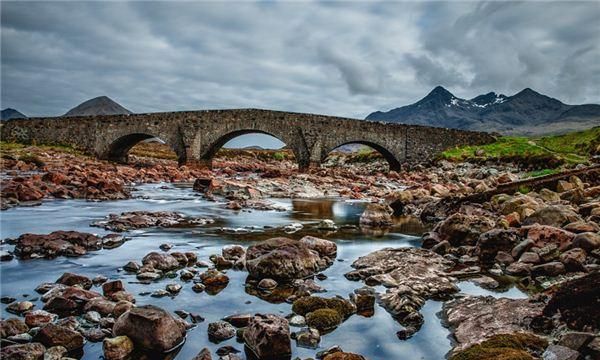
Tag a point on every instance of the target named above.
point(251, 150)
point(142, 148)
point(362, 156)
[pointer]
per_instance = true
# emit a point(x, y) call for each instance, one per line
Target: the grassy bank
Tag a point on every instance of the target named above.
point(547, 152)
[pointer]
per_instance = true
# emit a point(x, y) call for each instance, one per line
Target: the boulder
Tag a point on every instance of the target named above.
point(376, 215)
point(286, 259)
point(150, 328)
point(411, 275)
point(577, 302)
point(204, 354)
point(161, 261)
point(220, 331)
point(31, 351)
point(268, 336)
point(71, 279)
point(462, 229)
point(543, 235)
point(144, 219)
point(37, 318)
point(12, 327)
point(57, 243)
point(554, 215)
point(587, 241)
point(117, 348)
point(558, 352)
point(574, 259)
point(493, 241)
point(57, 335)
point(475, 318)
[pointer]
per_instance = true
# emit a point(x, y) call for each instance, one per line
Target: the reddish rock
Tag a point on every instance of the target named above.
point(57, 243)
point(268, 336)
point(37, 318)
point(376, 215)
point(587, 241)
point(31, 351)
point(543, 235)
point(574, 259)
point(161, 261)
point(56, 335)
point(151, 328)
point(284, 259)
point(494, 241)
point(71, 279)
point(461, 229)
point(11, 327)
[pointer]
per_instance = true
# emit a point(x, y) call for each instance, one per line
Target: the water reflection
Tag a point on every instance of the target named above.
point(373, 337)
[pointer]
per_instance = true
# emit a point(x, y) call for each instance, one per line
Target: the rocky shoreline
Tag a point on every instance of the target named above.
point(545, 240)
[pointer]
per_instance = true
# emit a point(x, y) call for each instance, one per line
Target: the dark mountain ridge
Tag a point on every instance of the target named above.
point(527, 112)
point(9, 113)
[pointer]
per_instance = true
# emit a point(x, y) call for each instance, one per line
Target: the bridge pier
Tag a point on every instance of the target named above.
point(307, 166)
point(198, 164)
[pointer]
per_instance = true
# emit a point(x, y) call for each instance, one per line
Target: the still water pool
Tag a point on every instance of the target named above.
point(374, 337)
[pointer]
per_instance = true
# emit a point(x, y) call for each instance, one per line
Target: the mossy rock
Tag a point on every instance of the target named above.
point(515, 346)
point(323, 319)
point(309, 304)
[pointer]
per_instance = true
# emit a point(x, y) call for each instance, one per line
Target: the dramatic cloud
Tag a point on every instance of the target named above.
point(338, 58)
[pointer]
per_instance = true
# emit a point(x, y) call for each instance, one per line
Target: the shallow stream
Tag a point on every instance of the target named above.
point(372, 337)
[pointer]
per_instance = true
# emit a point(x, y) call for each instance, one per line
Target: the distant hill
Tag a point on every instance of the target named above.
point(9, 113)
point(527, 112)
point(253, 147)
point(101, 105)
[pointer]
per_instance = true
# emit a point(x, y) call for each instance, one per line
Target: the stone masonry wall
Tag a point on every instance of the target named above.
point(197, 135)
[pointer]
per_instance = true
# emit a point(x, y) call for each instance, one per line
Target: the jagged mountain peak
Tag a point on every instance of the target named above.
point(488, 99)
point(101, 105)
point(525, 112)
point(439, 92)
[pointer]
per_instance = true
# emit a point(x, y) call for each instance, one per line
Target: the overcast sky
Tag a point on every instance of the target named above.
point(345, 59)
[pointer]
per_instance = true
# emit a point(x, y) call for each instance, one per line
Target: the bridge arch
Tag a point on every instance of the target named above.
point(388, 155)
point(117, 150)
point(208, 151)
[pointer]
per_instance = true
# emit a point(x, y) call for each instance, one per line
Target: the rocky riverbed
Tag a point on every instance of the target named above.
point(222, 264)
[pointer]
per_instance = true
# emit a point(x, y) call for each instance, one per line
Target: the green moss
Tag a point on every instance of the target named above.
point(323, 319)
point(279, 156)
point(516, 346)
point(524, 189)
point(309, 304)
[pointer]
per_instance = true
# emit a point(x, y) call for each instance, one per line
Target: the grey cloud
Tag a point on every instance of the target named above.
point(345, 59)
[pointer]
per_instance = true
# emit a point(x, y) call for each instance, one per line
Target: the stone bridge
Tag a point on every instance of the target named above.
point(196, 136)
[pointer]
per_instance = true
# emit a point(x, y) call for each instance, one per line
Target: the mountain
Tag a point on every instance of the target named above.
point(527, 112)
point(101, 105)
point(9, 113)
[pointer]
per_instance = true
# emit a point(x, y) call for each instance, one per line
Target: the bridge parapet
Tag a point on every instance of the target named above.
point(196, 136)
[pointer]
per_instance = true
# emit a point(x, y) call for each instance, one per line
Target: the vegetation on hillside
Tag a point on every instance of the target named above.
point(544, 153)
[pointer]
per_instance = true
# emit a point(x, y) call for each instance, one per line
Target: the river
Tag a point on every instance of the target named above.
point(372, 337)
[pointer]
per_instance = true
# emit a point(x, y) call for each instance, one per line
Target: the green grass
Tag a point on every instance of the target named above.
point(581, 142)
point(544, 153)
point(537, 173)
point(25, 149)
